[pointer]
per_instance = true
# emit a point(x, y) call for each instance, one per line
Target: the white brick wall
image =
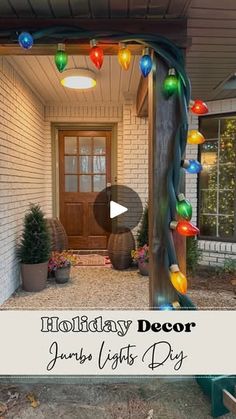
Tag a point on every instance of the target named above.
point(214, 252)
point(22, 160)
point(133, 153)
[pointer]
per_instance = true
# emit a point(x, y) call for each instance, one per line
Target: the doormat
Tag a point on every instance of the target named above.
point(93, 260)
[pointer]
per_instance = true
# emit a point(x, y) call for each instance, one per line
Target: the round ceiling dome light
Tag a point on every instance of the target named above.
point(78, 78)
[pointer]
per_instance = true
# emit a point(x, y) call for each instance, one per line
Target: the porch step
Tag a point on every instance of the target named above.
point(90, 252)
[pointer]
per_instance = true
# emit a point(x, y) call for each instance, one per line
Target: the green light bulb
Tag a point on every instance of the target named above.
point(61, 58)
point(171, 83)
point(184, 208)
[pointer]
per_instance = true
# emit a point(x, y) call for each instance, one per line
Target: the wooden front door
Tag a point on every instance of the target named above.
point(85, 170)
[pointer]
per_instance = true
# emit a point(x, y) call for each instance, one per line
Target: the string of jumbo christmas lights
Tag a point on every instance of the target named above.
point(176, 83)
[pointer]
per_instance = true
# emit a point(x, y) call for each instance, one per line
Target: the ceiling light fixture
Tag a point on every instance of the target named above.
point(78, 78)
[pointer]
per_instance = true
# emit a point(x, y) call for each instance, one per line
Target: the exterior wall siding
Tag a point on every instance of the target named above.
point(22, 159)
point(214, 253)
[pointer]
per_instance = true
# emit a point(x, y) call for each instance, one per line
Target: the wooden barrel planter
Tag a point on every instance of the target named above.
point(59, 239)
point(120, 245)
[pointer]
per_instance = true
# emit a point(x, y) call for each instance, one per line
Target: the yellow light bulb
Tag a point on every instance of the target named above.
point(124, 57)
point(195, 137)
point(178, 279)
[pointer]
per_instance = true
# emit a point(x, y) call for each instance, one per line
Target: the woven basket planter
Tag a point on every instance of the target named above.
point(59, 239)
point(120, 246)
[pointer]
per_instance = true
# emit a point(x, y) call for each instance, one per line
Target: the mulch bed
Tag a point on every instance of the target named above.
point(207, 278)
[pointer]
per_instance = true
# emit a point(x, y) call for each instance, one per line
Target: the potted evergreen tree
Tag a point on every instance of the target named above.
point(141, 255)
point(142, 236)
point(34, 250)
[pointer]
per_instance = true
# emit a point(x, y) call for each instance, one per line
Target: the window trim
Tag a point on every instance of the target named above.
point(213, 238)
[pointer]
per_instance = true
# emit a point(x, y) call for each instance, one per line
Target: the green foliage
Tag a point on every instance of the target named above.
point(193, 254)
point(142, 236)
point(35, 243)
point(229, 267)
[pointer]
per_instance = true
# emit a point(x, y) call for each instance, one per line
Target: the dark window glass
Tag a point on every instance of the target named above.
point(210, 127)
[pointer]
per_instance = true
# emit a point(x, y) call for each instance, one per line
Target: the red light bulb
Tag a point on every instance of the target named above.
point(184, 228)
point(96, 54)
point(198, 107)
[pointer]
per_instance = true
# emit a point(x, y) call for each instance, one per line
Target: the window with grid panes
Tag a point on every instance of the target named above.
point(216, 187)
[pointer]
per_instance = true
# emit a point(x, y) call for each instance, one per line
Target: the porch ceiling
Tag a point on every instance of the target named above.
point(93, 8)
point(211, 27)
point(212, 56)
point(113, 84)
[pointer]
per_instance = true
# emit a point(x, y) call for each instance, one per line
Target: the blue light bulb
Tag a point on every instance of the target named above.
point(194, 167)
point(166, 307)
point(145, 63)
point(25, 40)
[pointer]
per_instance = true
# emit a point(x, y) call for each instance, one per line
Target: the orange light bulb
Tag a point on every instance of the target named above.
point(178, 279)
point(195, 137)
point(124, 57)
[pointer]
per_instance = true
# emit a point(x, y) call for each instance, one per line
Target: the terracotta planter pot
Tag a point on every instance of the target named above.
point(143, 268)
point(62, 275)
point(34, 276)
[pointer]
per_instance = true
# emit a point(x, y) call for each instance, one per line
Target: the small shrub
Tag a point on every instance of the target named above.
point(193, 254)
point(61, 260)
point(141, 254)
point(229, 267)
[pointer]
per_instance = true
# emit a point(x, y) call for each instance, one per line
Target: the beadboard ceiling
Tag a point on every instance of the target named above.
point(210, 59)
point(113, 84)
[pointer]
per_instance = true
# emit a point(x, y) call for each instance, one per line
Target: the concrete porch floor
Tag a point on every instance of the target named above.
point(98, 287)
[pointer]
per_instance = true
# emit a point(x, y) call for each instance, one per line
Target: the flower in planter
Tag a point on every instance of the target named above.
point(141, 254)
point(60, 260)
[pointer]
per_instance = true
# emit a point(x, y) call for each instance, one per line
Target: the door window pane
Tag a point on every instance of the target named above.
point(85, 145)
point(99, 183)
point(99, 145)
point(85, 183)
point(85, 164)
point(99, 164)
point(71, 183)
point(70, 164)
point(70, 145)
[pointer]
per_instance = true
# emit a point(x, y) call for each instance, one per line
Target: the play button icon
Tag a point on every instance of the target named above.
point(116, 209)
